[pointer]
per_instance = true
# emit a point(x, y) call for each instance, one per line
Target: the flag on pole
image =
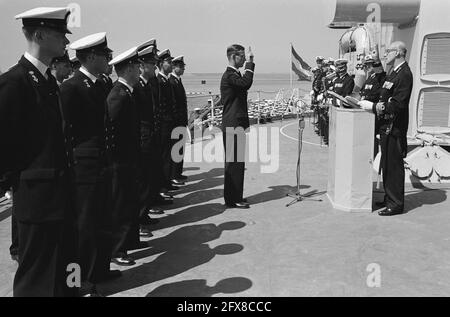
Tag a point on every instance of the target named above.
point(300, 67)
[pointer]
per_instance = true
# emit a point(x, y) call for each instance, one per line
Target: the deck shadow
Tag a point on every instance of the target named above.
point(215, 172)
point(195, 198)
point(275, 193)
point(424, 197)
point(5, 214)
point(168, 264)
point(189, 215)
point(200, 288)
point(187, 236)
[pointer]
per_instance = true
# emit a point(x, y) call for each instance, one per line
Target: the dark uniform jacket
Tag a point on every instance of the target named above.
point(167, 104)
point(344, 85)
point(181, 117)
point(145, 104)
point(35, 143)
point(317, 84)
point(122, 127)
point(396, 93)
point(108, 83)
point(372, 87)
point(154, 86)
point(328, 81)
point(234, 90)
point(85, 101)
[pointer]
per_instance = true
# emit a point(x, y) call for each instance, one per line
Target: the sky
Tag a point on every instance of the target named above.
point(198, 29)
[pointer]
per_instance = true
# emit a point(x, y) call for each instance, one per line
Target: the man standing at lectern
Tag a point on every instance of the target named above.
point(393, 109)
point(233, 89)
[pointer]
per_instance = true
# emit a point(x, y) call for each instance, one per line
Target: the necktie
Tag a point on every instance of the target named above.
point(48, 74)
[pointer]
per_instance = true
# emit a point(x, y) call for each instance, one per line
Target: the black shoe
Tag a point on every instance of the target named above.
point(123, 261)
point(240, 205)
point(146, 220)
point(155, 211)
point(15, 257)
point(164, 196)
point(93, 295)
point(110, 275)
point(380, 204)
point(140, 245)
point(164, 202)
point(177, 182)
point(173, 188)
point(390, 212)
point(145, 233)
point(182, 177)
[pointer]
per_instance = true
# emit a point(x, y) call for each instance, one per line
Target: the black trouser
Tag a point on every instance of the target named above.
point(234, 145)
point(156, 163)
point(392, 153)
point(145, 183)
point(45, 250)
point(14, 248)
point(94, 230)
point(376, 143)
point(125, 209)
point(177, 168)
point(166, 149)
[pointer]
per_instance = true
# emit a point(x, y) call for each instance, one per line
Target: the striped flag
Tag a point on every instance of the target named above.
point(300, 67)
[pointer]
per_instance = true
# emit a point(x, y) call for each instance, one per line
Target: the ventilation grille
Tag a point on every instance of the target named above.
point(436, 55)
point(434, 108)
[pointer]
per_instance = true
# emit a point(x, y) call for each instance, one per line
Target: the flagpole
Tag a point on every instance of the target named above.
point(290, 66)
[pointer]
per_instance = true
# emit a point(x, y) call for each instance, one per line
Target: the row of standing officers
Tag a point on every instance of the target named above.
point(88, 160)
point(387, 95)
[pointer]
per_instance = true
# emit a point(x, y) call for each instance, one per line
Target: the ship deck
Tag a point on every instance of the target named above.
point(200, 248)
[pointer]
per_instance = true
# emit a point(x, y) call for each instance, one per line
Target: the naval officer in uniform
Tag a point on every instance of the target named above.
point(84, 98)
point(123, 152)
point(234, 90)
point(158, 183)
point(372, 87)
point(181, 115)
point(344, 83)
point(75, 63)
point(61, 68)
point(148, 176)
point(393, 109)
point(38, 160)
point(166, 110)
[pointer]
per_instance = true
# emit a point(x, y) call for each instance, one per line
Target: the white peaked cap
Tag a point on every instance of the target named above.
point(44, 13)
point(128, 55)
point(88, 41)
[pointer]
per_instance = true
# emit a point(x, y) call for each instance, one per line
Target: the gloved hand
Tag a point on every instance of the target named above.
point(366, 105)
point(320, 98)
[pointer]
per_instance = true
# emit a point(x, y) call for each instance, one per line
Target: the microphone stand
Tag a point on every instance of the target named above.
point(298, 196)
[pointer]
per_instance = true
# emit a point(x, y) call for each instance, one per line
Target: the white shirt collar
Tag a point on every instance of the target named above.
point(234, 68)
point(88, 74)
point(42, 68)
point(175, 75)
point(162, 74)
point(398, 66)
point(143, 79)
point(123, 81)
